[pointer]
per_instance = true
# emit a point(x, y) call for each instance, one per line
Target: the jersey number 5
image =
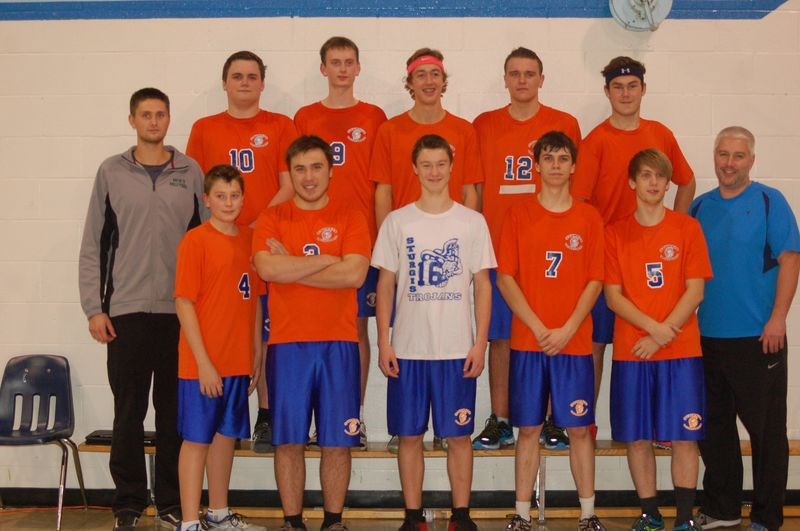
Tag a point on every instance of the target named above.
point(655, 275)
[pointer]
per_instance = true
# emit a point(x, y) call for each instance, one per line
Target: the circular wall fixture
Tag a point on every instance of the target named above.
point(640, 15)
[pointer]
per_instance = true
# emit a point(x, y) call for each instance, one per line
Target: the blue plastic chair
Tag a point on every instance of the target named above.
point(36, 408)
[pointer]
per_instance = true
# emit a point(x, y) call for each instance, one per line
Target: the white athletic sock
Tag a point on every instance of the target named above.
point(502, 419)
point(587, 507)
point(218, 515)
point(523, 509)
point(186, 525)
point(361, 412)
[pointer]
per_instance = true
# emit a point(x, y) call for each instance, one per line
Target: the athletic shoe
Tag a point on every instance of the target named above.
point(232, 521)
point(393, 446)
point(125, 521)
point(709, 522)
point(553, 437)
point(518, 523)
point(439, 443)
point(663, 445)
point(312, 442)
point(462, 525)
point(193, 527)
point(494, 435)
point(691, 525)
point(338, 526)
point(591, 524)
point(754, 526)
point(288, 527)
point(408, 525)
point(170, 520)
point(262, 437)
point(648, 523)
point(362, 435)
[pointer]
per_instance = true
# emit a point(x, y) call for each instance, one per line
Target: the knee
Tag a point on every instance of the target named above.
point(527, 433)
point(459, 443)
point(578, 433)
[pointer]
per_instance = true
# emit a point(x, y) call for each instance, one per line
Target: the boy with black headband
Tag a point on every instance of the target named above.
point(600, 175)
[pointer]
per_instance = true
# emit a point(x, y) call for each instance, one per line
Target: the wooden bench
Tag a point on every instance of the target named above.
point(377, 450)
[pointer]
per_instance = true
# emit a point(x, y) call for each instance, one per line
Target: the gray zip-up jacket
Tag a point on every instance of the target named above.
point(132, 231)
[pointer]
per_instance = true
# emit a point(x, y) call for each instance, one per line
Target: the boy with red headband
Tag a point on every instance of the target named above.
point(391, 169)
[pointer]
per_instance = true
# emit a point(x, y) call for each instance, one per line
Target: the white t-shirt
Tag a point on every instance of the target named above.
point(434, 257)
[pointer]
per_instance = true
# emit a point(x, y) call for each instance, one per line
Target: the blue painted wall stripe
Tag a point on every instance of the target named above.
point(142, 9)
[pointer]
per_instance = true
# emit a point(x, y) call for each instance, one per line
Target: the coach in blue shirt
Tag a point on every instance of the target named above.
point(753, 242)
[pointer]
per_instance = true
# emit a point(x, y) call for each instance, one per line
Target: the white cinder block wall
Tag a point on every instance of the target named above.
point(63, 109)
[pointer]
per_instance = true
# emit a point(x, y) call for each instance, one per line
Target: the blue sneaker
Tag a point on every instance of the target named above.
point(648, 523)
point(754, 526)
point(553, 437)
point(494, 436)
point(690, 525)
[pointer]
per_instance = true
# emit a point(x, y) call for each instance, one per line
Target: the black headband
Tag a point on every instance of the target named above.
point(632, 70)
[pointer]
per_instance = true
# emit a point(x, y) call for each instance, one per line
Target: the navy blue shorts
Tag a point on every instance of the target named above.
point(500, 323)
point(425, 385)
point(658, 400)
point(534, 377)
point(200, 417)
point(319, 376)
point(602, 321)
point(366, 293)
point(265, 315)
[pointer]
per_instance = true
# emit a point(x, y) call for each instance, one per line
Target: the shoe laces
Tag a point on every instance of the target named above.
point(518, 523)
point(645, 523)
point(491, 429)
point(338, 526)
point(592, 523)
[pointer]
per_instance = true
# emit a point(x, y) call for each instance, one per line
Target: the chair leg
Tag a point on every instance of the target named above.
point(62, 482)
point(78, 471)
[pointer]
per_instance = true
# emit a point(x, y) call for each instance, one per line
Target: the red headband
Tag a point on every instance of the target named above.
point(424, 60)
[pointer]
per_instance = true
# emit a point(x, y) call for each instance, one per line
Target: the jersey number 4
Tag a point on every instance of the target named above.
point(244, 286)
point(655, 275)
point(520, 171)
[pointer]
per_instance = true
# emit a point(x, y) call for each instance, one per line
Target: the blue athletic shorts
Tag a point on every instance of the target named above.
point(265, 315)
point(658, 400)
point(602, 321)
point(200, 417)
point(366, 294)
point(534, 377)
point(319, 376)
point(425, 385)
point(500, 323)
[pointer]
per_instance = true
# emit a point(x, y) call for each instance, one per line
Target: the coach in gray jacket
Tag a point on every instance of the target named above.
point(142, 203)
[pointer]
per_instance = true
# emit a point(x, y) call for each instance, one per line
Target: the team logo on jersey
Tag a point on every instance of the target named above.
point(530, 147)
point(352, 427)
point(573, 242)
point(692, 421)
point(579, 407)
point(371, 296)
point(669, 252)
point(356, 134)
point(259, 140)
point(327, 234)
point(437, 266)
point(463, 416)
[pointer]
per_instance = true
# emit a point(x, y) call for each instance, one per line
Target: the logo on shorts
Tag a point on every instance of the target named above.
point(692, 421)
point(352, 427)
point(463, 416)
point(371, 299)
point(574, 242)
point(356, 134)
point(669, 252)
point(579, 407)
point(259, 140)
point(327, 234)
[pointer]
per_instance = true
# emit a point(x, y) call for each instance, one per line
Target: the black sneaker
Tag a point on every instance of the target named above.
point(495, 435)
point(462, 525)
point(170, 519)
point(262, 437)
point(553, 437)
point(408, 525)
point(125, 521)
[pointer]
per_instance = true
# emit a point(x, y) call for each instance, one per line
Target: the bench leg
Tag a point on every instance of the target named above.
point(540, 488)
